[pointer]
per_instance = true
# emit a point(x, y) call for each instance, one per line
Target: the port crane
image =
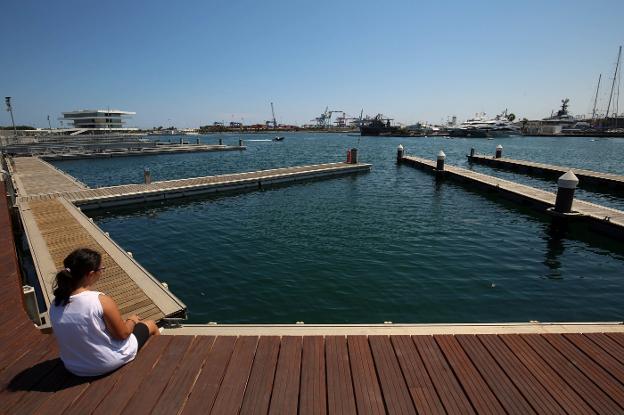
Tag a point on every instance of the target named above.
point(273, 121)
point(324, 120)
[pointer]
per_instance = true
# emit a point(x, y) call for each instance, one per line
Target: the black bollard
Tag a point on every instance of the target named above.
point(147, 176)
point(354, 156)
point(472, 152)
point(566, 185)
point(440, 163)
point(499, 151)
point(197, 141)
point(180, 140)
point(220, 141)
point(240, 143)
point(399, 153)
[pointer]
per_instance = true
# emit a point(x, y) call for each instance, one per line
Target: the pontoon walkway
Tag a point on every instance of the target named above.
point(587, 178)
point(605, 219)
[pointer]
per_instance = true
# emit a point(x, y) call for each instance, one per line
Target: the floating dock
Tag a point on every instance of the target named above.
point(610, 221)
point(55, 226)
point(161, 149)
point(171, 189)
point(587, 178)
point(106, 148)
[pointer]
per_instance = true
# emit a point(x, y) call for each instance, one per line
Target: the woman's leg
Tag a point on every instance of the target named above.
point(153, 328)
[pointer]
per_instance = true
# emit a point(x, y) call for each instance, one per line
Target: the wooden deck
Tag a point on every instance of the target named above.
point(323, 374)
point(602, 218)
point(169, 189)
point(587, 178)
point(462, 374)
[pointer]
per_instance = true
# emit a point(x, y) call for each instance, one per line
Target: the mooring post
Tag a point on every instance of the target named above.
point(197, 141)
point(400, 153)
point(440, 163)
point(566, 185)
point(472, 152)
point(354, 156)
point(220, 141)
point(181, 140)
point(147, 176)
point(240, 143)
point(499, 151)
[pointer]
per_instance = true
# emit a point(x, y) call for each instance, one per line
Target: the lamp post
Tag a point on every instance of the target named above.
point(7, 101)
point(49, 125)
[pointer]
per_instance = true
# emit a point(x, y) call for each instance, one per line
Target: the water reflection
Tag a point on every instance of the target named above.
point(555, 233)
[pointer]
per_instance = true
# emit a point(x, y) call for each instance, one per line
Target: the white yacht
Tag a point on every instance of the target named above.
point(482, 127)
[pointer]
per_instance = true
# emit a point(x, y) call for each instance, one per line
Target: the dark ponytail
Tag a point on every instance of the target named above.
point(78, 264)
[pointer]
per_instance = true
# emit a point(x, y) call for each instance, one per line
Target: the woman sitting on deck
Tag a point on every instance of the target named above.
point(92, 336)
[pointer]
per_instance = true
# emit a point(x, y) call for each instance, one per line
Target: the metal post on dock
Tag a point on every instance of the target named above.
point(440, 163)
point(499, 151)
point(30, 301)
point(240, 143)
point(354, 159)
point(220, 141)
point(472, 151)
point(400, 151)
point(566, 185)
point(197, 141)
point(147, 176)
point(181, 140)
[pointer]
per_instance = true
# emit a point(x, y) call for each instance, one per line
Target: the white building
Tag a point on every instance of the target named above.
point(97, 120)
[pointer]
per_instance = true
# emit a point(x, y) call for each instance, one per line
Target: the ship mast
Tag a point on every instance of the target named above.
point(617, 66)
point(596, 98)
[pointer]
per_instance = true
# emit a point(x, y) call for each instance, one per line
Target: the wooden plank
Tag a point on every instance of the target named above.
point(258, 392)
point(285, 395)
point(46, 383)
point(207, 384)
point(340, 397)
point(22, 374)
point(531, 388)
point(559, 389)
point(230, 396)
point(368, 395)
point(593, 395)
point(480, 395)
point(313, 396)
point(152, 387)
point(616, 337)
point(449, 389)
point(96, 391)
point(133, 375)
point(610, 346)
point(63, 395)
point(396, 395)
point(179, 385)
point(611, 365)
point(422, 391)
point(504, 389)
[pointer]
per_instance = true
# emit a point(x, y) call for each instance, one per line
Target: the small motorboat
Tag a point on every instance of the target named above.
point(278, 138)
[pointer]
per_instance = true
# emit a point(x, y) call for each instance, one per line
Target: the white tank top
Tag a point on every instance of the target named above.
point(87, 348)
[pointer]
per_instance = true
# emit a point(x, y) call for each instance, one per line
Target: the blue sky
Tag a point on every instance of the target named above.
point(190, 63)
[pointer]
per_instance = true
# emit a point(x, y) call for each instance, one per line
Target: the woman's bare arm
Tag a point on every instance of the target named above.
point(117, 327)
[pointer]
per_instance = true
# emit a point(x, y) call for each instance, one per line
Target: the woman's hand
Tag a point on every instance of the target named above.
point(134, 318)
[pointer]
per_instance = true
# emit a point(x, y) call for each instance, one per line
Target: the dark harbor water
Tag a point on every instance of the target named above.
point(391, 244)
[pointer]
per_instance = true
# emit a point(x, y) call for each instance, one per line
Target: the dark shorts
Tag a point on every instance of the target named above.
point(141, 332)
